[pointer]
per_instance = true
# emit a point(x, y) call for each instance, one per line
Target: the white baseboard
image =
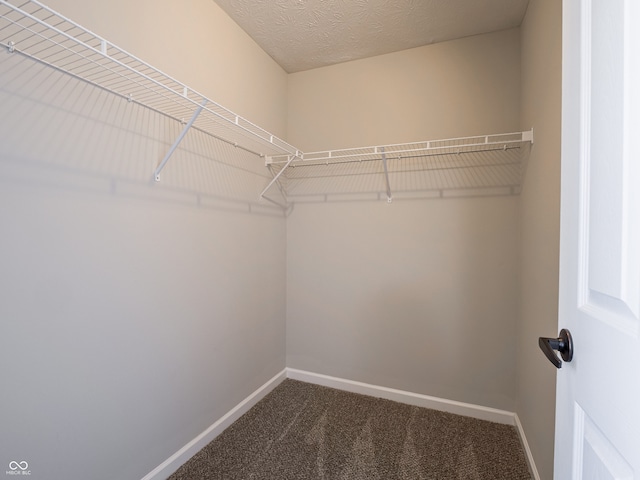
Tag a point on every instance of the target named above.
point(419, 400)
point(174, 462)
point(525, 445)
point(170, 465)
point(410, 398)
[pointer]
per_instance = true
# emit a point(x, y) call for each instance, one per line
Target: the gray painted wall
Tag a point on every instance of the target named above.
point(540, 225)
point(133, 314)
point(419, 295)
point(464, 87)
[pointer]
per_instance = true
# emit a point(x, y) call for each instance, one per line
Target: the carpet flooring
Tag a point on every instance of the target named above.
point(305, 431)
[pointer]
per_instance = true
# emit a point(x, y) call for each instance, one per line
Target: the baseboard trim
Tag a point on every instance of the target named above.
point(410, 398)
point(527, 450)
point(170, 465)
point(419, 400)
point(166, 468)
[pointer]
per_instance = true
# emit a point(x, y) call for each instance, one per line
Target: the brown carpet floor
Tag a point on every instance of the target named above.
point(304, 431)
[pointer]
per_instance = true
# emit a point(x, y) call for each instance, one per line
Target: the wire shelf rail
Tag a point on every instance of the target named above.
point(488, 162)
point(29, 28)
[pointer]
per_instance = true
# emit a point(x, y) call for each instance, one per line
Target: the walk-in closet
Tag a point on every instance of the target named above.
point(186, 223)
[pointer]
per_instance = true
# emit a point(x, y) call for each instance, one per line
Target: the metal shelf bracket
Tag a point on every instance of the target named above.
point(275, 179)
point(178, 140)
point(386, 175)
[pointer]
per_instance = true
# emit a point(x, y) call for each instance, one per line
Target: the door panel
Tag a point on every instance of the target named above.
point(602, 120)
point(598, 393)
point(612, 268)
point(595, 456)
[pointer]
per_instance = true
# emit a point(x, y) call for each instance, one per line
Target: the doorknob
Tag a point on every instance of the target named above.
point(563, 344)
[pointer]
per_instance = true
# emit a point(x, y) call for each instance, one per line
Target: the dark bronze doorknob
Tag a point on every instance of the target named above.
point(563, 344)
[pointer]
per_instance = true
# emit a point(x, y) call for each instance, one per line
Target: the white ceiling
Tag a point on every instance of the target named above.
point(305, 34)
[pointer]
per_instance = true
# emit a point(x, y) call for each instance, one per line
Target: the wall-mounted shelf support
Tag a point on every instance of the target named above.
point(386, 175)
point(178, 140)
point(281, 188)
point(275, 179)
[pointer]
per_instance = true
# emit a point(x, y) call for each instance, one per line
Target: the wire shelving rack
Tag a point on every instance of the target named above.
point(485, 164)
point(31, 29)
point(470, 165)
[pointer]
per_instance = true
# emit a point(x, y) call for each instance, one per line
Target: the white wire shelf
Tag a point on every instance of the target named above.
point(29, 28)
point(487, 162)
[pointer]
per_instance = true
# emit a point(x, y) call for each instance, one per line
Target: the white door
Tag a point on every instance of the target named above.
point(598, 393)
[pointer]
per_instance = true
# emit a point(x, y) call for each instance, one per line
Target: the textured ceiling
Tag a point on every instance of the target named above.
point(305, 34)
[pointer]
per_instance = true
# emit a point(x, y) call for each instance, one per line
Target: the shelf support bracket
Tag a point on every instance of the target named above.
point(386, 175)
point(279, 185)
point(178, 140)
point(275, 179)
